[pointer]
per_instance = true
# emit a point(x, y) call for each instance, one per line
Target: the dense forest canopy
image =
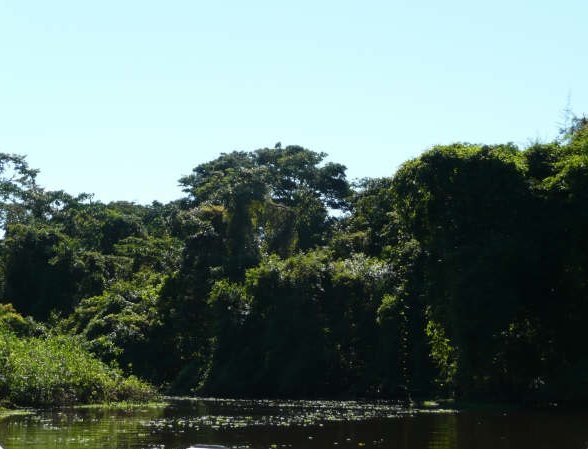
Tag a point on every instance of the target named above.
point(464, 274)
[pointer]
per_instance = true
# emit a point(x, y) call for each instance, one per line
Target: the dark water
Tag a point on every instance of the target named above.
point(293, 425)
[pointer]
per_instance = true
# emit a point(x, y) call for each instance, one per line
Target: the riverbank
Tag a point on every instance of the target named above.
point(123, 405)
point(7, 412)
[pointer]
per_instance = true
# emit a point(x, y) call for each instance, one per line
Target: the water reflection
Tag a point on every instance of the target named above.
point(443, 434)
point(292, 424)
point(77, 429)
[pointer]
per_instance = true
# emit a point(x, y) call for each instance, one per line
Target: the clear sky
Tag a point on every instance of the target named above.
point(121, 98)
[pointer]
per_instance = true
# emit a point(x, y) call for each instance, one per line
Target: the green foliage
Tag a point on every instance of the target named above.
point(463, 274)
point(47, 270)
point(161, 254)
point(18, 189)
point(301, 326)
point(274, 198)
point(57, 370)
point(14, 322)
point(442, 352)
point(39, 274)
point(372, 225)
point(118, 323)
point(10, 319)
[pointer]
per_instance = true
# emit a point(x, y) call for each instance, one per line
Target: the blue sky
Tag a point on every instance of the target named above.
point(121, 98)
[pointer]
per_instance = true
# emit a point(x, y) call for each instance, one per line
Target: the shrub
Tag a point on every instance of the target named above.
point(58, 370)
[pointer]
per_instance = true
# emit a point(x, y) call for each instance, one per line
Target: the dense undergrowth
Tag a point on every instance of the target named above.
point(57, 370)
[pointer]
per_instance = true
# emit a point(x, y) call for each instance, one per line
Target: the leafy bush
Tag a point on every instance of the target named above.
point(57, 370)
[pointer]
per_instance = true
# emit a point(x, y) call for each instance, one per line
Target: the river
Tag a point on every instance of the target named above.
point(255, 424)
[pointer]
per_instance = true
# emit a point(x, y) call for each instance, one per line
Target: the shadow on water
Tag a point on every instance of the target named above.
point(189, 423)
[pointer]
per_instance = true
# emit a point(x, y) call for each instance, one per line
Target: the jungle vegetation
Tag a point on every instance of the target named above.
point(464, 274)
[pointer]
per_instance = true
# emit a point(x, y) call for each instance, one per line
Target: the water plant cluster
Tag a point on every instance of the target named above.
point(234, 414)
